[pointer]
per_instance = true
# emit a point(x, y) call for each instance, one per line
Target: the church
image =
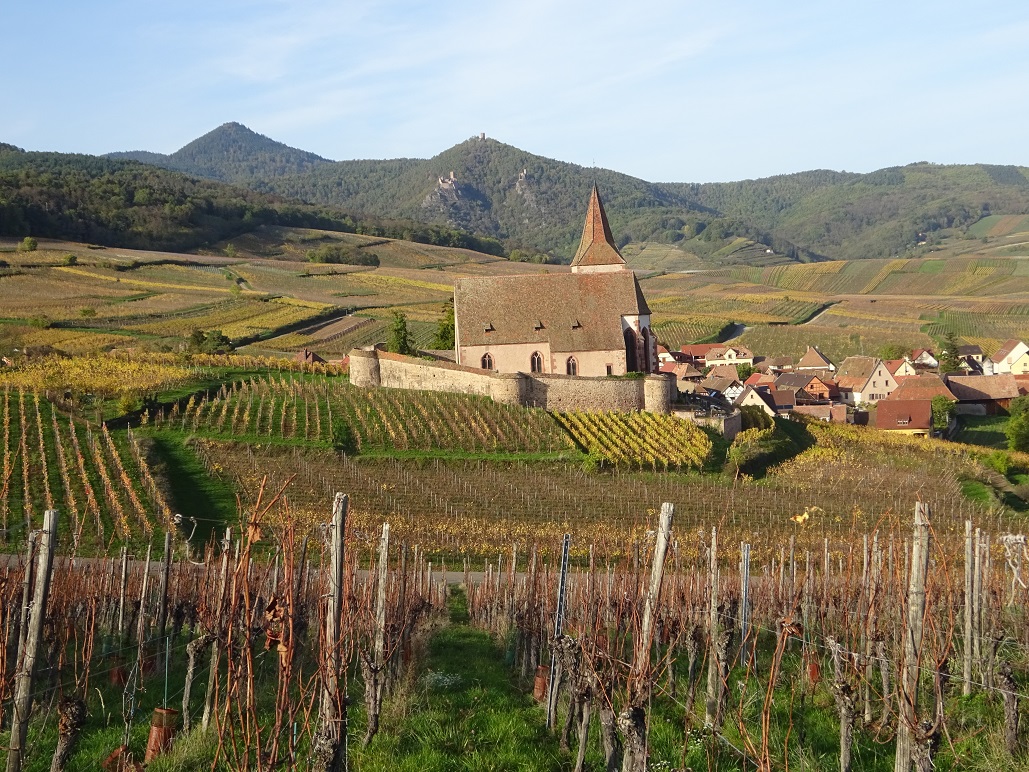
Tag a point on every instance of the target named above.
point(593, 321)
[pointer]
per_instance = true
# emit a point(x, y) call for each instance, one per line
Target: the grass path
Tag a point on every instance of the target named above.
point(462, 713)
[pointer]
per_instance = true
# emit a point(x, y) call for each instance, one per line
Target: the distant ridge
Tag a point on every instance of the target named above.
point(532, 202)
point(231, 153)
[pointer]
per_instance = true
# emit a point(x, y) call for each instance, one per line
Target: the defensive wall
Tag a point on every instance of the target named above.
point(652, 393)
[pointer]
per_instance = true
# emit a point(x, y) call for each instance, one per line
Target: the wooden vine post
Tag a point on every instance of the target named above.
point(373, 668)
point(330, 751)
point(632, 721)
point(33, 634)
point(907, 725)
point(714, 682)
point(559, 621)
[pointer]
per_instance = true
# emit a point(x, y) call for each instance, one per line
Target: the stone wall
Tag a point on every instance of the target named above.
point(726, 425)
point(553, 392)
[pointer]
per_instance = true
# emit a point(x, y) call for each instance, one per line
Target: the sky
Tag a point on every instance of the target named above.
point(665, 90)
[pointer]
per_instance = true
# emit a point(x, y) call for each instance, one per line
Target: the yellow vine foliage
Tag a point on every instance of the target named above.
point(101, 375)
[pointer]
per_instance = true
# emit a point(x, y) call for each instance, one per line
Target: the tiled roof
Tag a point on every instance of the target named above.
point(855, 371)
point(698, 350)
point(969, 351)
point(597, 246)
point(783, 399)
point(920, 387)
point(572, 311)
point(1005, 349)
point(904, 414)
point(794, 381)
point(813, 358)
point(981, 388)
point(724, 371)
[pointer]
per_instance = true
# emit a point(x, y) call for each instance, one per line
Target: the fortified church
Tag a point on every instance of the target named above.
point(593, 321)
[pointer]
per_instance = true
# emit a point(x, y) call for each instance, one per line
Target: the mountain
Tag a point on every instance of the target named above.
point(231, 153)
point(126, 203)
point(534, 204)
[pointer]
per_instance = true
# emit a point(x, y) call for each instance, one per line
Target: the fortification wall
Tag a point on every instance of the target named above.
point(553, 392)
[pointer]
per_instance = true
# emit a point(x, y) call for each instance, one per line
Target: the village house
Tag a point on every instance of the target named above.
point(759, 398)
point(686, 376)
point(593, 321)
point(864, 379)
point(900, 367)
point(696, 353)
point(806, 387)
point(729, 355)
point(726, 388)
point(1012, 357)
point(723, 371)
point(973, 352)
point(774, 365)
point(918, 387)
point(906, 416)
point(814, 359)
point(983, 394)
point(923, 357)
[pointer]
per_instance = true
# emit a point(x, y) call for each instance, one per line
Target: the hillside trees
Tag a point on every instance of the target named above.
point(398, 338)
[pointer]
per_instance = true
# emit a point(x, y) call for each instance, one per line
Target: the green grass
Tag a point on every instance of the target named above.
point(194, 492)
point(987, 431)
point(463, 712)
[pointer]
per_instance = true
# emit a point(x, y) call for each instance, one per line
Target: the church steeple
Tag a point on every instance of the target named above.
point(597, 251)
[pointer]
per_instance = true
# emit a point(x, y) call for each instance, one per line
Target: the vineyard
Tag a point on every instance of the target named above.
point(104, 485)
point(331, 640)
point(327, 412)
point(641, 440)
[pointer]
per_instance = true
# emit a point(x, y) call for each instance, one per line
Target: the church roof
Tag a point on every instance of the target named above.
point(597, 246)
point(571, 312)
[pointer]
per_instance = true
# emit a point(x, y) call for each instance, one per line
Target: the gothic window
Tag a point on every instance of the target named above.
point(631, 359)
point(536, 362)
point(487, 362)
point(571, 366)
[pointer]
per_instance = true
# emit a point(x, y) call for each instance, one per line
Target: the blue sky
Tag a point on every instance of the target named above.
point(666, 90)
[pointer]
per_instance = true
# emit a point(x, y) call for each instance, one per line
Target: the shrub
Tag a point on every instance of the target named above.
point(28, 244)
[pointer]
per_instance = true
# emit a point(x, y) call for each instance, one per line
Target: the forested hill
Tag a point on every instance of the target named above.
point(879, 214)
point(131, 204)
point(231, 153)
point(537, 203)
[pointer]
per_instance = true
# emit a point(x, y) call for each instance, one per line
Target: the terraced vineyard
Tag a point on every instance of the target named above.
point(101, 482)
point(640, 440)
point(326, 411)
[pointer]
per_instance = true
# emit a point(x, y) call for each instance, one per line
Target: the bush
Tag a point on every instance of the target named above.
point(28, 244)
point(341, 255)
point(69, 259)
point(128, 403)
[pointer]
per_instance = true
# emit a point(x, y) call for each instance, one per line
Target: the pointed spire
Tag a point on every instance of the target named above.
point(597, 250)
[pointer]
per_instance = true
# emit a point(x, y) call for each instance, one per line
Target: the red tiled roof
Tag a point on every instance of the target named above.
point(982, 388)
point(904, 414)
point(920, 387)
point(698, 350)
point(597, 246)
point(813, 358)
point(1007, 348)
point(572, 311)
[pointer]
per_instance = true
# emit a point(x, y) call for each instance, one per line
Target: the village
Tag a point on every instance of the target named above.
point(892, 395)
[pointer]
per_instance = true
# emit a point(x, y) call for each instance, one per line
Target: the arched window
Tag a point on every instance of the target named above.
point(487, 362)
point(631, 360)
point(647, 362)
point(536, 362)
point(571, 366)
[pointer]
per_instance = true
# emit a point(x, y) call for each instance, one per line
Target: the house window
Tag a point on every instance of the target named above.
point(536, 362)
point(610, 369)
point(571, 366)
point(487, 362)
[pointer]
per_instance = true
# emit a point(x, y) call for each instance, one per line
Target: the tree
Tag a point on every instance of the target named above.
point(445, 333)
point(941, 408)
point(28, 244)
point(1018, 406)
point(399, 339)
point(891, 351)
point(744, 371)
point(949, 358)
point(1017, 432)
